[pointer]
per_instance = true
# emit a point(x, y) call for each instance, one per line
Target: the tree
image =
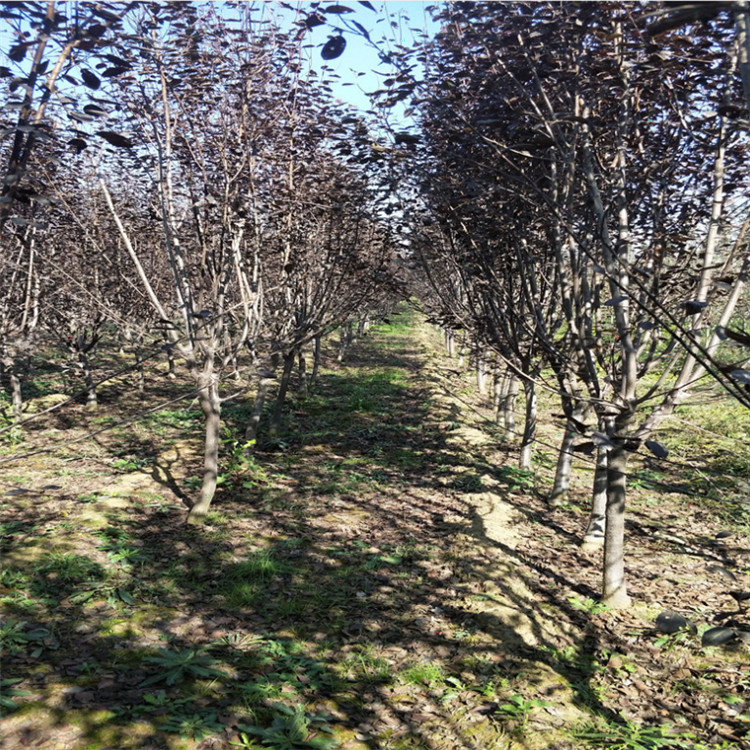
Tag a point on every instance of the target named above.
point(561, 109)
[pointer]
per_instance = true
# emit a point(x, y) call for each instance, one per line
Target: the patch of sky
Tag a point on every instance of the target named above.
point(371, 37)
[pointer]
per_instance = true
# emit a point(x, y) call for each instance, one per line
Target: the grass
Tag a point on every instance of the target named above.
point(425, 673)
point(630, 736)
point(336, 584)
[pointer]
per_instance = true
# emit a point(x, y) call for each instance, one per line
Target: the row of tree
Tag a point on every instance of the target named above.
point(581, 213)
point(186, 175)
point(574, 205)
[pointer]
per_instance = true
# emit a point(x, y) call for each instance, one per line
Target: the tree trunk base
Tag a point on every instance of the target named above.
point(557, 498)
point(618, 599)
point(591, 544)
point(195, 519)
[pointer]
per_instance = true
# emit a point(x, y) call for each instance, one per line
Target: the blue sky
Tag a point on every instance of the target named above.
point(396, 22)
point(392, 23)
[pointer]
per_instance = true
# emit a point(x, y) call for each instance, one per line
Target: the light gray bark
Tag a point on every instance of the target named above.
point(347, 336)
point(508, 405)
point(251, 429)
point(594, 536)
point(529, 428)
point(561, 486)
point(316, 360)
point(481, 372)
point(8, 370)
point(88, 379)
point(450, 342)
point(615, 592)
point(210, 404)
point(281, 396)
point(302, 368)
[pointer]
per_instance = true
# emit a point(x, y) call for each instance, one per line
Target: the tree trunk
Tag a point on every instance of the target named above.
point(8, 368)
point(281, 396)
point(529, 428)
point(509, 405)
point(614, 590)
point(169, 349)
point(302, 367)
point(88, 379)
point(594, 536)
point(462, 350)
point(498, 384)
point(347, 334)
point(561, 486)
point(316, 360)
point(450, 342)
point(251, 430)
point(15, 395)
point(141, 379)
point(481, 372)
point(210, 404)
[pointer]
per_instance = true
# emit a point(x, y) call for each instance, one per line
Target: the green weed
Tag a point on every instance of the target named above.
point(671, 641)
point(519, 709)
point(291, 729)
point(517, 479)
point(194, 723)
point(243, 582)
point(130, 463)
point(629, 736)
point(454, 689)
point(240, 467)
point(7, 693)
point(69, 568)
point(591, 606)
point(369, 668)
point(425, 673)
point(14, 639)
point(176, 666)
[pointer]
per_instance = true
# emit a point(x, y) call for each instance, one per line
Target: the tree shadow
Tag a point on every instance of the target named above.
point(365, 562)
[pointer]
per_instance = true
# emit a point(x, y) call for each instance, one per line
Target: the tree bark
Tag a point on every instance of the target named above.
point(281, 396)
point(481, 372)
point(210, 404)
point(251, 429)
point(450, 342)
point(15, 394)
point(302, 367)
point(316, 360)
point(498, 383)
point(88, 379)
point(561, 486)
point(8, 368)
point(462, 350)
point(141, 379)
point(509, 405)
point(615, 593)
point(347, 334)
point(529, 428)
point(169, 351)
point(594, 536)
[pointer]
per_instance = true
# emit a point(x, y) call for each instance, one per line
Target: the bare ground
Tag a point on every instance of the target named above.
point(422, 598)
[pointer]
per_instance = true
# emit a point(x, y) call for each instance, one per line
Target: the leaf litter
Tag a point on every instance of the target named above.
point(408, 594)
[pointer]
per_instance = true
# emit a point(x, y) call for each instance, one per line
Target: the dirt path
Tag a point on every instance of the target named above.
point(508, 610)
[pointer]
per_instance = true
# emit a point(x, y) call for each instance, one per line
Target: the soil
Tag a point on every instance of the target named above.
point(404, 537)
